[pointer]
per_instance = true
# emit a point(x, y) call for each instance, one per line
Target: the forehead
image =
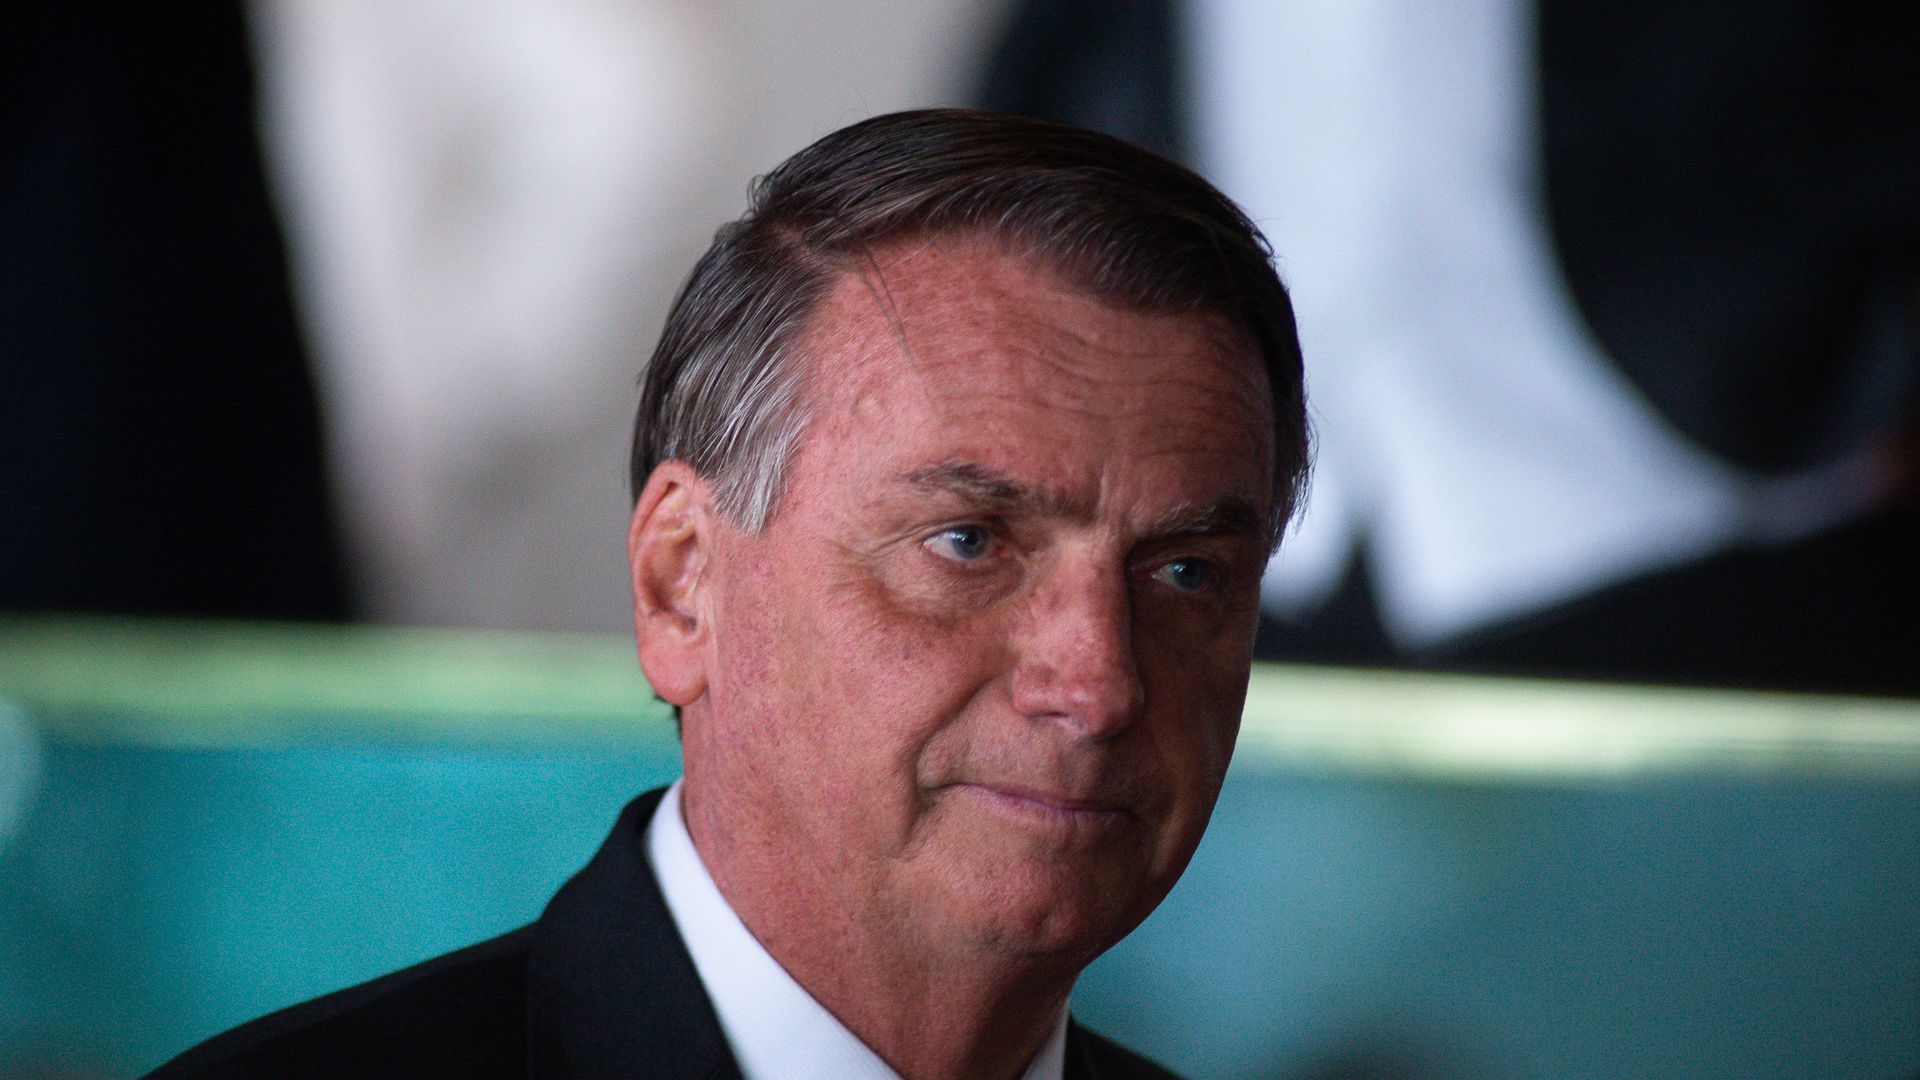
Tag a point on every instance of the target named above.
point(960, 350)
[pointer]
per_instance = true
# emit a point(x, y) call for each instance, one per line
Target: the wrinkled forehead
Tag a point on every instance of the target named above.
point(899, 308)
point(988, 357)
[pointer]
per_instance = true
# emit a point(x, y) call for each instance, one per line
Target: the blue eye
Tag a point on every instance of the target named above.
point(1186, 575)
point(962, 543)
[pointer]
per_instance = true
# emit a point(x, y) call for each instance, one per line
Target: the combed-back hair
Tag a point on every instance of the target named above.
point(723, 389)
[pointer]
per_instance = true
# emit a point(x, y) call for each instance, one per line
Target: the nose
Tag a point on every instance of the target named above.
point(1075, 663)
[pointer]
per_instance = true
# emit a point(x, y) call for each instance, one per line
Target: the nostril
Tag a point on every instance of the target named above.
point(1098, 695)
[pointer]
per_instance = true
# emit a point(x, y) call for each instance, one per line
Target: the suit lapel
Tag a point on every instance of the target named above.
point(612, 991)
point(611, 988)
point(1079, 1061)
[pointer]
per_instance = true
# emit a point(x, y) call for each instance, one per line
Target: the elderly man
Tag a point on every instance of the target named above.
point(956, 470)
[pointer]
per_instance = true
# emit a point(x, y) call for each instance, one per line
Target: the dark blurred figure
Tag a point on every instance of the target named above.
point(159, 445)
point(1733, 195)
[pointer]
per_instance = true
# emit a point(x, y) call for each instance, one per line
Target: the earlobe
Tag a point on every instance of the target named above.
point(668, 545)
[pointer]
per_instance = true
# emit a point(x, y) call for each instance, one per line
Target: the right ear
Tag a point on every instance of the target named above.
point(668, 546)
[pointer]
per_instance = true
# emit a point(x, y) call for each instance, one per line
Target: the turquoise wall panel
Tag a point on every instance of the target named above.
point(1406, 877)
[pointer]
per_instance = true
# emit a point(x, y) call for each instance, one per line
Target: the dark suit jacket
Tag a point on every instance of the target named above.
point(600, 985)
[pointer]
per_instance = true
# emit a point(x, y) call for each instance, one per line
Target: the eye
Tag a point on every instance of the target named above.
point(961, 543)
point(1187, 575)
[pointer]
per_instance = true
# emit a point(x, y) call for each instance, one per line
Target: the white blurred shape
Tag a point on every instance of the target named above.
point(489, 208)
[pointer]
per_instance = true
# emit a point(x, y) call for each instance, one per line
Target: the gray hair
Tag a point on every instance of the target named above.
point(723, 389)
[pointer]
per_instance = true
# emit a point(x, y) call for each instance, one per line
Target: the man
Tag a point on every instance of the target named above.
point(956, 467)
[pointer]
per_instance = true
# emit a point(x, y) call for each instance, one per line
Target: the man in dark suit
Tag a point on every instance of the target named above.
point(956, 469)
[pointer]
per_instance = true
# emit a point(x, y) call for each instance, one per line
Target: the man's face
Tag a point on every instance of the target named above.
point(978, 680)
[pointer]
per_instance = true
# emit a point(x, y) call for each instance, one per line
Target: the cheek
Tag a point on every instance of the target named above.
point(747, 630)
point(1196, 700)
point(912, 639)
point(866, 683)
point(772, 692)
point(1194, 747)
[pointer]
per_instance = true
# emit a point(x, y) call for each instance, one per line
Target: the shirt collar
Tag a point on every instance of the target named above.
point(774, 1027)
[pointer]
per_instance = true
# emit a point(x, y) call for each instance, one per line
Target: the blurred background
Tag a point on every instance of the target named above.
point(319, 331)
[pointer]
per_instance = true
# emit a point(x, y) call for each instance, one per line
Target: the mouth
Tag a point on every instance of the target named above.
point(1051, 808)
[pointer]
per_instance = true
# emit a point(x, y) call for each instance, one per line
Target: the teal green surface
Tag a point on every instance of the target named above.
point(238, 685)
point(1447, 877)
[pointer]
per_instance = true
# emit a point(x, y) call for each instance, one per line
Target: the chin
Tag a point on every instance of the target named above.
point(1052, 913)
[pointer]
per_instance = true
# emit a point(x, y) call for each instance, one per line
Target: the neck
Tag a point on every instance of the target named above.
point(932, 1011)
point(932, 1028)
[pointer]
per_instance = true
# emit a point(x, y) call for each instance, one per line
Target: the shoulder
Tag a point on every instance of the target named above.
point(1103, 1059)
point(462, 1014)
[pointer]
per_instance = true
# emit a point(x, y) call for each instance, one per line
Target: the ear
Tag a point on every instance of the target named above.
point(668, 546)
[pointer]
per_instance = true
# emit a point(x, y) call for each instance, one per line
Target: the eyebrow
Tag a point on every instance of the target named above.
point(978, 483)
point(1231, 516)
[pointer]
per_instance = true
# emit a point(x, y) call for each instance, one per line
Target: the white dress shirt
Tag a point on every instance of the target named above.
point(773, 1026)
